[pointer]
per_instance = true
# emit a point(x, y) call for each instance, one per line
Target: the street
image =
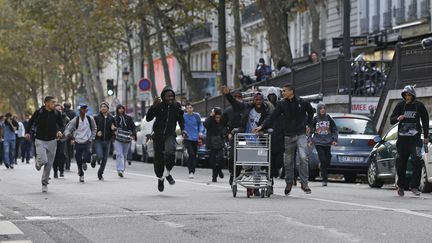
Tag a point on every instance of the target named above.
point(131, 209)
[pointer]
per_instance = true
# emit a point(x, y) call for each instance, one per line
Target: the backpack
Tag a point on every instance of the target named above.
point(88, 119)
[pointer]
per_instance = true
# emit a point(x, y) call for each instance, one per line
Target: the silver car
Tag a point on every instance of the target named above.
point(350, 155)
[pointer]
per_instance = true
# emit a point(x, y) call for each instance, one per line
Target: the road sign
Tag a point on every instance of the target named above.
point(145, 95)
point(361, 40)
point(144, 84)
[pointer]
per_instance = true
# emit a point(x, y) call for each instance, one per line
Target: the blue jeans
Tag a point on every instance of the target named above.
point(26, 146)
point(102, 151)
point(82, 155)
point(121, 154)
point(9, 152)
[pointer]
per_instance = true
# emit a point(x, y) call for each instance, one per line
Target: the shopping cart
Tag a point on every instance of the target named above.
point(252, 152)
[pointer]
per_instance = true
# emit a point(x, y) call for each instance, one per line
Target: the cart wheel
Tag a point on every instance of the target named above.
point(263, 193)
point(234, 190)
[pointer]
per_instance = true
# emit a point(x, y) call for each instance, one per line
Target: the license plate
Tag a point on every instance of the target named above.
point(351, 159)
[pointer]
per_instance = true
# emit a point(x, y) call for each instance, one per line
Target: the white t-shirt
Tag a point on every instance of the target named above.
point(83, 133)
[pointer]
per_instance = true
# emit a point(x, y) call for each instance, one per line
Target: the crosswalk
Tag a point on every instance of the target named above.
point(7, 228)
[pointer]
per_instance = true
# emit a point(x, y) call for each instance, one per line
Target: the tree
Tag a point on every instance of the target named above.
point(315, 17)
point(237, 40)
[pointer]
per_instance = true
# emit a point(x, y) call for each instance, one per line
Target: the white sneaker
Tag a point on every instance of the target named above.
point(81, 179)
point(191, 175)
point(44, 188)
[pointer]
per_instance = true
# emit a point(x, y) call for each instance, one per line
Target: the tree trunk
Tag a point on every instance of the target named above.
point(315, 17)
point(275, 20)
point(156, 18)
point(86, 76)
point(222, 42)
point(131, 81)
point(149, 57)
point(237, 41)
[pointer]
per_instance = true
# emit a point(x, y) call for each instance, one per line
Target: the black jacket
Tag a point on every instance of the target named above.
point(47, 124)
point(215, 132)
point(420, 114)
point(231, 118)
point(166, 117)
point(104, 125)
point(297, 114)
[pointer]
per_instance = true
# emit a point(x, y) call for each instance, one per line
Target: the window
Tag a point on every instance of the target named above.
point(352, 125)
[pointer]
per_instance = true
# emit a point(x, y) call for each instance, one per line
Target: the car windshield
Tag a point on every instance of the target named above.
point(352, 125)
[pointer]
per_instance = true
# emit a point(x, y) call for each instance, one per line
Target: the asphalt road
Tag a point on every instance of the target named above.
point(131, 209)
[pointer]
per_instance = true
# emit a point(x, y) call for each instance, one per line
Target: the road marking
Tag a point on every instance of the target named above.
point(17, 241)
point(8, 228)
point(39, 218)
point(397, 210)
point(172, 224)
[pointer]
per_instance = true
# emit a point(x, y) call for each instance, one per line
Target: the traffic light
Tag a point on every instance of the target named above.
point(110, 87)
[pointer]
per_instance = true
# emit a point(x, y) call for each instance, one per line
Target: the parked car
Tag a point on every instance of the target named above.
point(134, 148)
point(382, 159)
point(350, 155)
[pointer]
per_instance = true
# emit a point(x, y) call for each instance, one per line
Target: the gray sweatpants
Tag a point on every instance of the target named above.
point(45, 154)
point(295, 144)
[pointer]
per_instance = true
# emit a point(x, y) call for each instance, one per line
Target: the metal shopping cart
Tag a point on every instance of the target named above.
point(252, 152)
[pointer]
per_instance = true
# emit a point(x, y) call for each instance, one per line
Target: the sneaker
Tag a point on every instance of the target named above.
point(28, 162)
point(324, 183)
point(288, 188)
point(415, 191)
point(7, 166)
point(100, 178)
point(93, 163)
point(55, 175)
point(306, 188)
point(170, 179)
point(81, 179)
point(214, 179)
point(129, 162)
point(221, 174)
point(191, 175)
point(84, 166)
point(44, 188)
point(22, 160)
point(37, 165)
point(61, 174)
point(161, 185)
point(11, 166)
point(120, 174)
point(400, 192)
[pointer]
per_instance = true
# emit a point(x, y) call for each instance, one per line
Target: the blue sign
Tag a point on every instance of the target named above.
point(144, 84)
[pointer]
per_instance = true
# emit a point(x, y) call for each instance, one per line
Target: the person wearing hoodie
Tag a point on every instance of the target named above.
point(83, 131)
point(167, 113)
point(105, 132)
point(125, 131)
point(324, 134)
point(262, 71)
point(409, 113)
point(297, 122)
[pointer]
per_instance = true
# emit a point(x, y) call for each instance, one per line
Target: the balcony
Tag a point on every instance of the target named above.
point(387, 20)
point(375, 23)
point(399, 15)
point(364, 26)
point(424, 9)
point(250, 14)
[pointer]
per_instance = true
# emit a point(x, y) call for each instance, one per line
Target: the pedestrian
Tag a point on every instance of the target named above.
point(215, 141)
point(412, 116)
point(324, 135)
point(104, 135)
point(10, 126)
point(282, 67)
point(193, 128)
point(298, 115)
point(253, 116)
point(125, 131)
point(48, 125)
point(60, 156)
point(231, 119)
point(20, 134)
point(313, 57)
point(69, 147)
point(82, 129)
point(26, 145)
point(262, 71)
point(245, 80)
point(167, 112)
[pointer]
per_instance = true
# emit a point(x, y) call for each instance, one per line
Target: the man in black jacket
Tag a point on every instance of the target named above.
point(104, 134)
point(409, 112)
point(48, 123)
point(298, 117)
point(167, 112)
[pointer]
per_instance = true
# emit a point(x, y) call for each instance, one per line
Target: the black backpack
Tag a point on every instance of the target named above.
point(88, 119)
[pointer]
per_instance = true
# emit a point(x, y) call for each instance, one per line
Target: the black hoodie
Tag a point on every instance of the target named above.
point(166, 116)
point(124, 121)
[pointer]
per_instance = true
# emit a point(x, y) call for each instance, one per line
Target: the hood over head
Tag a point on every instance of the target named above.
point(118, 107)
point(319, 106)
point(410, 90)
point(165, 90)
point(273, 90)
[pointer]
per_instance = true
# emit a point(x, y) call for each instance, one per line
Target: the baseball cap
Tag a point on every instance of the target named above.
point(82, 106)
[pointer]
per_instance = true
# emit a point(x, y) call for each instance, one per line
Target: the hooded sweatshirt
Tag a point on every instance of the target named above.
point(324, 130)
point(123, 121)
point(166, 116)
point(413, 112)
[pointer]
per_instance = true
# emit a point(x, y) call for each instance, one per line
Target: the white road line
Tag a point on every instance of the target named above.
point(17, 241)
point(8, 228)
point(397, 210)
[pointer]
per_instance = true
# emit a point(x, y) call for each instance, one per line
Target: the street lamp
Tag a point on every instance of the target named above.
point(125, 77)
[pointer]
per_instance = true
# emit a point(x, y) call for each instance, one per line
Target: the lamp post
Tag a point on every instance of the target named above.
point(125, 77)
